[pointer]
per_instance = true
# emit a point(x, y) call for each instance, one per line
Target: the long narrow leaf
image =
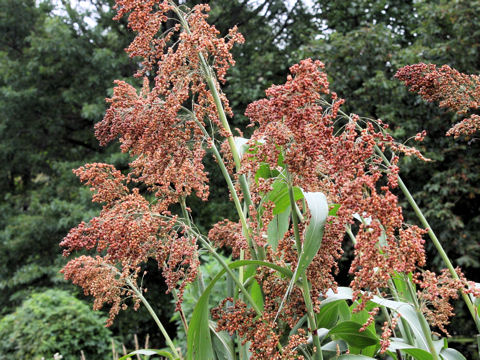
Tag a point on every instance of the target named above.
point(318, 206)
point(405, 310)
point(222, 343)
point(148, 352)
point(277, 228)
point(451, 354)
point(199, 342)
point(417, 353)
point(349, 331)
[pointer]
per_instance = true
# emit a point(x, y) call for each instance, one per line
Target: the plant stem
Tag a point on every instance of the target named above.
point(154, 316)
point(211, 81)
point(209, 77)
point(183, 318)
point(305, 287)
point(312, 324)
point(186, 216)
point(389, 321)
point(423, 322)
point(232, 275)
point(231, 187)
point(298, 242)
point(406, 329)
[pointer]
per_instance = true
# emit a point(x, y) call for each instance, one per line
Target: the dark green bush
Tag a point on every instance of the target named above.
point(52, 322)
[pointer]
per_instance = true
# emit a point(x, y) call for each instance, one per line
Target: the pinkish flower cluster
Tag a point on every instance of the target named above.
point(102, 281)
point(294, 124)
point(452, 89)
point(435, 294)
point(466, 127)
point(262, 335)
point(128, 231)
point(229, 234)
point(167, 150)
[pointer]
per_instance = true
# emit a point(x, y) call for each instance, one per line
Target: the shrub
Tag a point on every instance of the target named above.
point(52, 322)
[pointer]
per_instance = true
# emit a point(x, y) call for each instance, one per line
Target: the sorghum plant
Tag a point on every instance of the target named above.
point(309, 178)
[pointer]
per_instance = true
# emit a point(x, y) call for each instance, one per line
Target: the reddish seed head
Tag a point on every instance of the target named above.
point(452, 89)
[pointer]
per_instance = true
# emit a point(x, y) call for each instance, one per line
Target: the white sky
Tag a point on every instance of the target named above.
point(85, 4)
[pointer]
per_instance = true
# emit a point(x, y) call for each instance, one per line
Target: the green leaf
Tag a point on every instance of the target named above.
point(344, 311)
point(278, 227)
point(148, 352)
point(222, 343)
point(354, 357)
point(402, 287)
point(451, 354)
point(263, 172)
point(333, 209)
point(370, 350)
point(349, 332)
point(199, 343)
point(241, 144)
point(343, 293)
point(407, 312)
point(257, 295)
point(335, 345)
point(328, 315)
point(318, 206)
point(280, 197)
point(418, 354)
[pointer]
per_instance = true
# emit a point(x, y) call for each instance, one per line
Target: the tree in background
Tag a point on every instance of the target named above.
point(54, 322)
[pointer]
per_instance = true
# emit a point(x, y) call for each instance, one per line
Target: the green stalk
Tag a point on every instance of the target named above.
point(232, 275)
point(298, 242)
point(183, 318)
point(389, 321)
point(231, 186)
point(212, 82)
point(406, 328)
point(433, 237)
point(312, 324)
point(186, 216)
point(423, 322)
point(155, 317)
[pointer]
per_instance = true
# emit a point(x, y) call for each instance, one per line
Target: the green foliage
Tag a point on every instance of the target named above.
point(54, 322)
point(199, 342)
